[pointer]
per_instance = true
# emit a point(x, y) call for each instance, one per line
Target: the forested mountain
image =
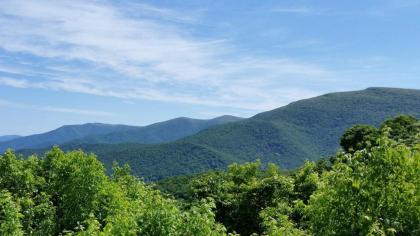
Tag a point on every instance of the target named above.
point(159, 132)
point(5, 138)
point(104, 133)
point(62, 135)
point(306, 129)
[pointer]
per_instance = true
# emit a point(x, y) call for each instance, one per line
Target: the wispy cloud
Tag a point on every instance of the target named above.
point(102, 49)
point(296, 10)
point(75, 111)
point(11, 104)
point(16, 83)
point(146, 10)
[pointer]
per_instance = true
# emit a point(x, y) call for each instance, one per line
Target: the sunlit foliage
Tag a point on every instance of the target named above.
point(70, 194)
point(371, 187)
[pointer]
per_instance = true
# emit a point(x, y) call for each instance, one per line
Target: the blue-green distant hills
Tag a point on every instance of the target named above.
point(306, 129)
point(104, 133)
point(62, 135)
point(5, 138)
point(161, 132)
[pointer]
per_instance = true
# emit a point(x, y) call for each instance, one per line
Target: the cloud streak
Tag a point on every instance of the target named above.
point(6, 103)
point(142, 53)
point(297, 10)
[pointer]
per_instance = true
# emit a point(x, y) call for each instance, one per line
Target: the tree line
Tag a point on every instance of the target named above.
point(370, 187)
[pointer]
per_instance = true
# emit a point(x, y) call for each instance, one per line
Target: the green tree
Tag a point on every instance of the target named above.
point(10, 216)
point(15, 176)
point(276, 221)
point(359, 137)
point(70, 194)
point(75, 180)
point(306, 180)
point(403, 128)
point(153, 214)
point(242, 193)
point(374, 193)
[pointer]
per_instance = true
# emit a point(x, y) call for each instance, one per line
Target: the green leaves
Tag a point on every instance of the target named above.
point(359, 137)
point(242, 193)
point(368, 190)
point(375, 193)
point(69, 194)
point(402, 129)
point(10, 215)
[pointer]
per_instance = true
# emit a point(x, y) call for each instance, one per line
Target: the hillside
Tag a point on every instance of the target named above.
point(5, 138)
point(96, 133)
point(306, 129)
point(160, 132)
point(61, 135)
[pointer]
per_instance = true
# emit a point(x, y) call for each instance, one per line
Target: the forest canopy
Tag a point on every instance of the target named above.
point(371, 187)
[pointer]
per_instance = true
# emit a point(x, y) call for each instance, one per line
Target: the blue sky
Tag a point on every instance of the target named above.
point(139, 62)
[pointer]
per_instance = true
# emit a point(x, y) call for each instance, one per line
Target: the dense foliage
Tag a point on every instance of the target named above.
point(69, 194)
point(368, 189)
point(359, 137)
point(371, 187)
point(369, 193)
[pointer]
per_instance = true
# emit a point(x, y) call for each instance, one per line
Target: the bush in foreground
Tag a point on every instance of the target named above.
point(69, 194)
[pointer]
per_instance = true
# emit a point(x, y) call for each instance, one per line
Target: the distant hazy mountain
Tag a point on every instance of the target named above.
point(62, 135)
point(8, 137)
point(159, 132)
point(103, 133)
point(306, 129)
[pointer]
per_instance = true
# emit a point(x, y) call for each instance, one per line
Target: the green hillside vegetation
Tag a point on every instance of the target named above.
point(370, 188)
point(80, 135)
point(159, 132)
point(287, 136)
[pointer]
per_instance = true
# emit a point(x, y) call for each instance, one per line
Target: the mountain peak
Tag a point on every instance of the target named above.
point(390, 89)
point(227, 118)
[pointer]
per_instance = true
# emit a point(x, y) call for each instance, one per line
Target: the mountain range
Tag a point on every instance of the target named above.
point(5, 138)
point(105, 133)
point(304, 130)
point(61, 135)
point(161, 132)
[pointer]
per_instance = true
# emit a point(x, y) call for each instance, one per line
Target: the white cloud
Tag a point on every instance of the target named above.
point(143, 52)
point(296, 10)
point(16, 83)
point(75, 111)
point(9, 69)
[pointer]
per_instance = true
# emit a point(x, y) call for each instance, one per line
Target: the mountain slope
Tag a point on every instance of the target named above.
point(61, 135)
point(307, 129)
point(5, 138)
point(159, 132)
point(110, 134)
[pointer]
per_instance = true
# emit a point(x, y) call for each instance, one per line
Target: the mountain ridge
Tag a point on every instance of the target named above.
point(60, 135)
point(4, 138)
point(305, 129)
point(164, 131)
